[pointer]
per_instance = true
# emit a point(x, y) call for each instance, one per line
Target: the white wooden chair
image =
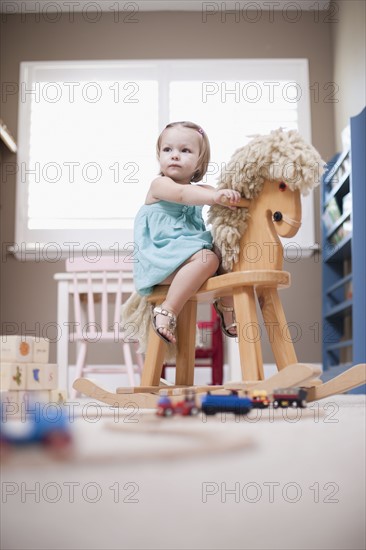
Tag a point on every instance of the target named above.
point(100, 284)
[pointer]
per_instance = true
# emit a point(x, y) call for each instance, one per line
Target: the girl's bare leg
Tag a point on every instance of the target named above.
point(184, 283)
point(227, 301)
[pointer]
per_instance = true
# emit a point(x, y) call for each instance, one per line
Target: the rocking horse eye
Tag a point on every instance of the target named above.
point(282, 186)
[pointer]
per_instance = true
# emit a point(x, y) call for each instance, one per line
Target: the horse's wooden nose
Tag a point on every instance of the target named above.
point(277, 216)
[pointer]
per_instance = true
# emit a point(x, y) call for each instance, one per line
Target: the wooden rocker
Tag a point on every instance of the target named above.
point(254, 254)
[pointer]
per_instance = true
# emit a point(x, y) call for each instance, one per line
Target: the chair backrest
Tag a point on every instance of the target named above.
point(106, 263)
point(104, 277)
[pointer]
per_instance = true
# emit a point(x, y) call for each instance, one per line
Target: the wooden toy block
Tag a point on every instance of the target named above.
point(16, 349)
point(41, 376)
point(31, 398)
point(23, 398)
point(10, 396)
point(41, 350)
point(12, 404)
point(58, 396)
point(13, 376)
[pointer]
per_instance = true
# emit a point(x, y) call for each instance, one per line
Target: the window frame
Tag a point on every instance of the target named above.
point(43, 244)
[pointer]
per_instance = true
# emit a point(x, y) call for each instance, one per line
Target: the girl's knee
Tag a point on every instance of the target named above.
point(212, 261)
point(208, 261)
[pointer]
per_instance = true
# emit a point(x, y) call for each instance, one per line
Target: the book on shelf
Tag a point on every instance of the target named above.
point(342, 232)
point(331, 214)
point(347, 203)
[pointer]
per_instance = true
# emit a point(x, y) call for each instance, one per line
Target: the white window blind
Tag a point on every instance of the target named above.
point(87, 134)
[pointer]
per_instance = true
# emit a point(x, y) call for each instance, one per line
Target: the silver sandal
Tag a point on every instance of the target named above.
point(171, 326)
point(220, 308)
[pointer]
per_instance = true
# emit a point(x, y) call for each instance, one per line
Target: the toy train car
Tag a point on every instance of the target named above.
point(289, 397)
point(212, 404)
point(260, 399)
point(232, 402)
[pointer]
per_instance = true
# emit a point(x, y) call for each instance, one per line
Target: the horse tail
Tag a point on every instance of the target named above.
point(135, 316)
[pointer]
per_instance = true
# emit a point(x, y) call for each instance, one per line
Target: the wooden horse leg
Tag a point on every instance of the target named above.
point(154, 360)
point(248, 334)
point(186, 344)
point(276, 325)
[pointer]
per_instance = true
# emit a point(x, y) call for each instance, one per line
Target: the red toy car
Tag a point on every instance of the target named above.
point(186, 407)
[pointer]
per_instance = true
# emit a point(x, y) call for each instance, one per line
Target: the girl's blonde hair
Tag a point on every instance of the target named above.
point(204, 156)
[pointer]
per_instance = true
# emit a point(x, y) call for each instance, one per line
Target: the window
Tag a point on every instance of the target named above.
point(87, 134)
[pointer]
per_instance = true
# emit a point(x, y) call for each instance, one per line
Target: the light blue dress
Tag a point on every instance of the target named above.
point(166, 234)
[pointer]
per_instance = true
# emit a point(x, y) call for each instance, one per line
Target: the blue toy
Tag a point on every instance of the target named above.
point(212, 404)
point(40, 426)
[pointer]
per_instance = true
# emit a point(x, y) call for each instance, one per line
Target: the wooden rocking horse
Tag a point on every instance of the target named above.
point(252, 251)
point(257, 271)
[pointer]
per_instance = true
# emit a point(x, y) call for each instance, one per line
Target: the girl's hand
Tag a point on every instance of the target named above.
point(227, 197)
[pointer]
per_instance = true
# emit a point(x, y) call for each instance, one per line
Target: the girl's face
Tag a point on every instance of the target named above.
point(179, 153)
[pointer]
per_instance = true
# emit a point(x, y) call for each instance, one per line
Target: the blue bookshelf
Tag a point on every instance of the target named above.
point(343, 211)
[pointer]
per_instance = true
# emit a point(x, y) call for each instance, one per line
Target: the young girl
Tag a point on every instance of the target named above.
point(174, 246)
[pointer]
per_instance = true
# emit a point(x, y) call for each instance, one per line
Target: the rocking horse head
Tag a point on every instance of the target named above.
point(270, 172)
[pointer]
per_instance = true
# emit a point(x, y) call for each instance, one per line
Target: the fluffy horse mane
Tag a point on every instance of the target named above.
point(279, 156)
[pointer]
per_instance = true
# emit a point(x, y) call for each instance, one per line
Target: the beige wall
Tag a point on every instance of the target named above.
point(349, 46)
point(28, 289)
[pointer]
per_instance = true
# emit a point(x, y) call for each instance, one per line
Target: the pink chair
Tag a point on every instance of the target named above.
point(101, 282)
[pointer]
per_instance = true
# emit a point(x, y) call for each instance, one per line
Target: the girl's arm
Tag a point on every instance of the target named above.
point(164, 188)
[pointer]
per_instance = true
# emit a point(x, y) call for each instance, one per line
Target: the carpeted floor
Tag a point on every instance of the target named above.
point(272, 480)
